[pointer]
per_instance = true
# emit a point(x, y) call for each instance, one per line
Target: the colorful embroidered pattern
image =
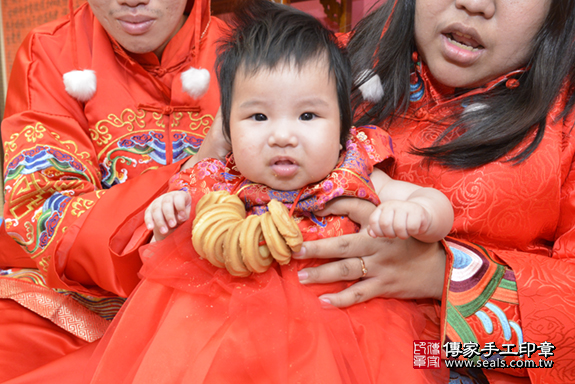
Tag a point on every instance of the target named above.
point(139, 148)
point(52, 180)
point(482, 298)
point(142, 148)
point(43, 157)
point(49, 217)
point(105, 307)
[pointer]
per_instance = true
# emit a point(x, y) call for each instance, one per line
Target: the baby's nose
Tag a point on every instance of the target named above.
point(283, 135)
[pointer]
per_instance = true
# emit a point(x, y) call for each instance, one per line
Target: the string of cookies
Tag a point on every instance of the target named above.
point(223, 235)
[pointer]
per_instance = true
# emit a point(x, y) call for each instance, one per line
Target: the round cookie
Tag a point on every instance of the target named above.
point(232, 251)
point(236, 202)
point(274, 240)
point(256, 257)
point(210, 216)
point(286, 225)
point(213, 240)
point(209, 200)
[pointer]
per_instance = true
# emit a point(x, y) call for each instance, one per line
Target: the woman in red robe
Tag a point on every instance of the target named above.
point(501, 147)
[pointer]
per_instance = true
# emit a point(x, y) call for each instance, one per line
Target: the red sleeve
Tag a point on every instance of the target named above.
point(132, 233)
point(512, 297)
point(56, 207)
point(78, 262)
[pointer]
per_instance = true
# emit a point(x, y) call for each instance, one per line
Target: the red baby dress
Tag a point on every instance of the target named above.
point(190, 322)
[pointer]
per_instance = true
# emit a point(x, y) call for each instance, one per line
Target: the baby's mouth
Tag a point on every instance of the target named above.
point(284, 167)
point(463, 41)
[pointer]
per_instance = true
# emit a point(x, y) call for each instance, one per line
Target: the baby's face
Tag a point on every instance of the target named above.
point(285, 125)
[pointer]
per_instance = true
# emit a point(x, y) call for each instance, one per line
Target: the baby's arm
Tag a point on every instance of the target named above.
point(167, 212)
point(409, 210)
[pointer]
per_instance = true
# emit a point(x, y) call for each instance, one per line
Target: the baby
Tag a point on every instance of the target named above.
point(287, 118)
point(285, 86)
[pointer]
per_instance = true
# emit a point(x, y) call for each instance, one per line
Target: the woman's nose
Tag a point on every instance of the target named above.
point(485, 8)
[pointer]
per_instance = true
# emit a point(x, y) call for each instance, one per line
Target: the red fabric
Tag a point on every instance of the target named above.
point(266, 328)
point(523, 215)
point(11, 253)
point(80, 256)
point(62, 156)
point(28, 341)
point(189, 321)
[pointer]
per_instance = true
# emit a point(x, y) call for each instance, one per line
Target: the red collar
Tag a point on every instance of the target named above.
point(437, 93)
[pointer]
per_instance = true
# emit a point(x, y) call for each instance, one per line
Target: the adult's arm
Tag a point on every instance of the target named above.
point(56, 207)
point(484, 295)
point(388, 267)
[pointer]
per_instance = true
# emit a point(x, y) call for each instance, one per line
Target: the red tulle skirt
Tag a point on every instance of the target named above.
point(189, 322)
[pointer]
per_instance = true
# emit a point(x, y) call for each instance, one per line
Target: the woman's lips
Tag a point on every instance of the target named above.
point(461, 44)
point(464, 41)
point(461, 49)
point(136, 26)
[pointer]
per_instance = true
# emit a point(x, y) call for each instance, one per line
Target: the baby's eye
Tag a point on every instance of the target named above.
point(307, 116)
point(259, 117)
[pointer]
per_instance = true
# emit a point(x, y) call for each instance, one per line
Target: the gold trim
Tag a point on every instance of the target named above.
point(60, 309)
point(128, 118)
point(356, 175)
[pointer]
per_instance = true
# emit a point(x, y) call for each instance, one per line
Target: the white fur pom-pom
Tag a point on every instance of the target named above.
point(371, 90)
point(81, 85)
point(196, 82)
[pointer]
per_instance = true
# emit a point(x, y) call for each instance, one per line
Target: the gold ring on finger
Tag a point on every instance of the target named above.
point(363, 267)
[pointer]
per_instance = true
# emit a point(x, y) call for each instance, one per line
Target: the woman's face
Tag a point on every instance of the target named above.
point(466, 43)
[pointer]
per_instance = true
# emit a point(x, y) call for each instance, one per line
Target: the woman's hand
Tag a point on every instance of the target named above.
point(403, 269)
point(214, 145)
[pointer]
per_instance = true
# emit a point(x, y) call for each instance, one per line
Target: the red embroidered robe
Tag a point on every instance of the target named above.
point(510, 275)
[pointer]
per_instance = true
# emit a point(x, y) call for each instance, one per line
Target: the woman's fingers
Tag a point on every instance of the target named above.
point(358, 293)
point(395, 268)
point(352, 245)
point(345, 269)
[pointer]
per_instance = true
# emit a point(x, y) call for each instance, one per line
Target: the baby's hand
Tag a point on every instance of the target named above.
point(167, 212)
point(401, 219)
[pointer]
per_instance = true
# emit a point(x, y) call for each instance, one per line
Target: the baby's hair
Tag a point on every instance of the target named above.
point(507, 117)
point(265, 35)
